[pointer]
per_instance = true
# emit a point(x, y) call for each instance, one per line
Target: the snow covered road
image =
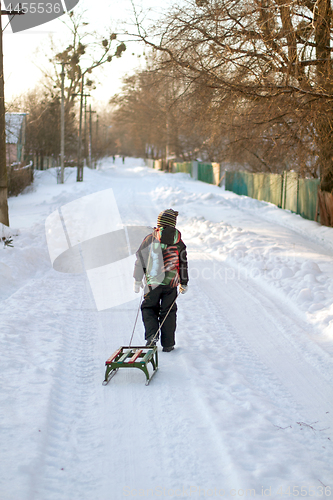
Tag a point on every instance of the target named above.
point(242, 408)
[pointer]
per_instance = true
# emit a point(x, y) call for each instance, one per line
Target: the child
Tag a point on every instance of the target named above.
point(162, 259)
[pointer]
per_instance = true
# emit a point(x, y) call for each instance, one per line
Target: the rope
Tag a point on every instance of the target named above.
point(165, 317)
point(136, 319)
point(159, 329)
point(10, 20)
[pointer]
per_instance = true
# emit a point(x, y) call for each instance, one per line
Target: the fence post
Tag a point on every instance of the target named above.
point(317, 205)
point(216, 173)
point(195, 170)
point(284, 189)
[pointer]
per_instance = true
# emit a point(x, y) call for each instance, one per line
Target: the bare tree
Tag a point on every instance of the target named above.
point(268, 55)
point(87, 51)
point(141, 116)
point(158, 109)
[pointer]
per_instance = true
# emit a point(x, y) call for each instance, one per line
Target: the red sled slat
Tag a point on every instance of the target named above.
point(135, 356)
point(113, 356)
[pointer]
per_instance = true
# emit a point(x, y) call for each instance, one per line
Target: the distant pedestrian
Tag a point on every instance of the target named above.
point(162, 261)
point(114, 158)
point(123, 159)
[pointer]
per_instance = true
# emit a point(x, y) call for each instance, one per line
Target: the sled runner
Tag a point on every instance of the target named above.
point(132, 357)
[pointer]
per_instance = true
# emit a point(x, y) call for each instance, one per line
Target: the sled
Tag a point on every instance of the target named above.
point(132, 357)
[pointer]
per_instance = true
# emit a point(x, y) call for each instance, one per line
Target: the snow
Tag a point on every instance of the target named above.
point(242, 407)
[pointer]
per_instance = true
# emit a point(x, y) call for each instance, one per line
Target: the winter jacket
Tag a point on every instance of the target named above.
point(162, 258)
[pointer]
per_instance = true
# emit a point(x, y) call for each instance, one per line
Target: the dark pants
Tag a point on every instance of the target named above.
point(155, 306)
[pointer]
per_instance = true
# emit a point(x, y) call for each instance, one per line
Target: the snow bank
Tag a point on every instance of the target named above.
point(260, 242)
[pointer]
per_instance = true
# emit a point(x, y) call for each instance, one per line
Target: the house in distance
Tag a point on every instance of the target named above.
point(15, 137)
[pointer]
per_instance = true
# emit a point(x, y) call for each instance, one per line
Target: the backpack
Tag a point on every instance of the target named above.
point(163, 262)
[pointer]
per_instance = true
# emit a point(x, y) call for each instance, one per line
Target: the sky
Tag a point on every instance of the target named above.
point(26, 52)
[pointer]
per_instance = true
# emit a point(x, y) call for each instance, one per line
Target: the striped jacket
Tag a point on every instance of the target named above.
point(162, 258)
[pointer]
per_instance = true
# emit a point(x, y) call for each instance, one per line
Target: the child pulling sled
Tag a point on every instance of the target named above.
point(162, 260)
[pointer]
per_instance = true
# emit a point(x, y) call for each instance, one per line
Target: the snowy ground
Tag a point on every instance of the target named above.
point(242, 408)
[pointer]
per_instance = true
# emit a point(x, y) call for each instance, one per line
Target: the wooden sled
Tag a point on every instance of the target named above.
point(132, 357)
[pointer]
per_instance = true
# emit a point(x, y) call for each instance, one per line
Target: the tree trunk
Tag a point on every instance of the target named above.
point(324, 126)
point(322, 23)
point(3, 167)
point(324, 139)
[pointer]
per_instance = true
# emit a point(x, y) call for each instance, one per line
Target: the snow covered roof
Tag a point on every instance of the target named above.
point(14, 122)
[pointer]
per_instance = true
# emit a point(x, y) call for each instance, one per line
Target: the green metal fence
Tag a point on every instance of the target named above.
point(185, 167)
point(267, 187)
point(290, 191)
point(240, 183)
point(307, 198)
point(205, 173)
point(286, 191)
point(201, 171)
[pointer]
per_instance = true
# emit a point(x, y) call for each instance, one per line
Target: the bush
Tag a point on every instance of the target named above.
point(18, 179)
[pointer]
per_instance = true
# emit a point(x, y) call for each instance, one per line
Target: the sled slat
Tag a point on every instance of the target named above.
point(124, 356)
point(113, 356)
point(147, 356)
point(135, 356)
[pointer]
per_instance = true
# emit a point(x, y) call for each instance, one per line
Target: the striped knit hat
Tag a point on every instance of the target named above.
point(167, 218)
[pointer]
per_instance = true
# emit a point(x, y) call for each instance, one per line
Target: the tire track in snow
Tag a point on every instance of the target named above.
point(67, 464)
point(267, 332)
point(230, 383)
point(161, 434)
point(222, 337)
point(254, 363)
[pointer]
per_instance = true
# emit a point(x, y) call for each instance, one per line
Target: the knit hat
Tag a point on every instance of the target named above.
point(167, 218)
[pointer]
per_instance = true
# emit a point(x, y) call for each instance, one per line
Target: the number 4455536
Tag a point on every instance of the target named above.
point(36, 8)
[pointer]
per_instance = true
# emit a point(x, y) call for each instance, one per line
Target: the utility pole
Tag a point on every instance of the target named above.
point(4, 217)
point(85, 128)
point(167, 147)
point(90, 137)
point(97, 138)
point(62, 125)
point(79, 176)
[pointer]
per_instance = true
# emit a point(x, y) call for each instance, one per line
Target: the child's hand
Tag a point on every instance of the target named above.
point(137, 286)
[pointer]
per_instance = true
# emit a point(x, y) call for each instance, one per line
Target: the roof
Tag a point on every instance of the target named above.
point(14, 122)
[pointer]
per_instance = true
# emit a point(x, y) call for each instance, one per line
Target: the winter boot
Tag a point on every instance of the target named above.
point(151, 342)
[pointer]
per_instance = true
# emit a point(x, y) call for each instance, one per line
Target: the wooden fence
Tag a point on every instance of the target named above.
point(18, 178)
